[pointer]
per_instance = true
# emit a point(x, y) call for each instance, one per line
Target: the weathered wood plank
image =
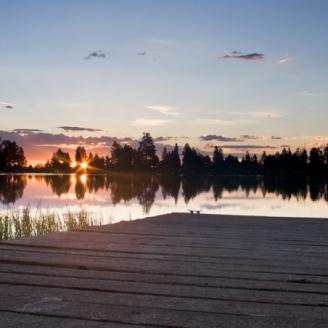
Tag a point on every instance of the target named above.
point(168, 303)
point(176, 270)
point(139, 315)
point(158, 266)
point(273, 282)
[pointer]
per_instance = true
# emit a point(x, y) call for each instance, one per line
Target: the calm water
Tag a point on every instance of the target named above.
point(123, 198)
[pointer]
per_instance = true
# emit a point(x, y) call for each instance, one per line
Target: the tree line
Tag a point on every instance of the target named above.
point(144, 158)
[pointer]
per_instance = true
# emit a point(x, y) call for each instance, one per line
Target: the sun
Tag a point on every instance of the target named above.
point(84, 165)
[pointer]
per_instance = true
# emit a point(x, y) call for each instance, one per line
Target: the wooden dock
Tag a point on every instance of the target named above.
point(175, 270)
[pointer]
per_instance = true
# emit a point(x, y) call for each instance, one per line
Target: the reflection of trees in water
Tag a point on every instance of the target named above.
point(143, 188)
point(193, 185)
point(318, 189)
point(286, 187)
point(170, 186)
point(128, 188)
point(248, 184)
point(11, 188)
point(60, 184)
point(146, 191)
point(95, 183)
point(80, 187)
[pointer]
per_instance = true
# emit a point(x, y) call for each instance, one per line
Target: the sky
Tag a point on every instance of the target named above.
point(244, 75)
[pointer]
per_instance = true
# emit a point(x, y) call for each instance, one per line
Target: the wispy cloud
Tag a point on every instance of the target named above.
point(165, 110)
point(95, 54)
point(249, 137)
point(77, 128)
point(142, 53)
point(26, 131)
point(210, 121)
point(275, 138)
point(284, 59)
point(6, 105)
point(265, 114)
point(239, 55)
point(211, 137)
point(245, 115)
point(248, 147)
point(150, 122)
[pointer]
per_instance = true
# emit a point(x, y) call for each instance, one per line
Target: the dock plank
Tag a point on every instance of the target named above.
point(175, 270)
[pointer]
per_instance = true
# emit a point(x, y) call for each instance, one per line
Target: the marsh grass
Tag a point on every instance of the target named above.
point(17, 224)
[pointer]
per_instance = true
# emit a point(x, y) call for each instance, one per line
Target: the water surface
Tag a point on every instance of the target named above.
point(115, 198)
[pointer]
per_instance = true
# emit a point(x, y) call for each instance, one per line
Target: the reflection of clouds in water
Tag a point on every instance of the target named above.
point(219, 206)
point(244, 197)
point(163, 205)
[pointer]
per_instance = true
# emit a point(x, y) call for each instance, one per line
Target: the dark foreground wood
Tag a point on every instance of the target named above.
point(175, 270)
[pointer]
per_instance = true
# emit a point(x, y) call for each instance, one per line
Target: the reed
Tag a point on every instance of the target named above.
point(17, 224)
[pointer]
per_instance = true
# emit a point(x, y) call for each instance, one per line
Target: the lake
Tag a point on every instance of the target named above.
point(116, 198)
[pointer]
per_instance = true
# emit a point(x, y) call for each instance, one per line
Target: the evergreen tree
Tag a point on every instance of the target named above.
point(11, 155)
point(218, 158)
point(147, 152)
point(316, 160)
point(192, 160)
point(175, 159)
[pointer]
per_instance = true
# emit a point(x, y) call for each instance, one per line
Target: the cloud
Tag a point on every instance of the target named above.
point(254, 114)
point(242, 138)
point(127, 140)
point(150, 122)
point(284, 60)
point(265, 114)
point(239, 55)
point(77, 128)
point(210, 121)
point(249, 137)
point(248, 146)
point(162, 139)
point(6, 105)
point(285, 146)
point(38, 145)
point(211, 137)
point(165, 110)
point(142, 53)
point(95, 54)
point(26, 131)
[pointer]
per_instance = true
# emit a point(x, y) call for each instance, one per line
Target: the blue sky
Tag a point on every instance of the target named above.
point(164, 72)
